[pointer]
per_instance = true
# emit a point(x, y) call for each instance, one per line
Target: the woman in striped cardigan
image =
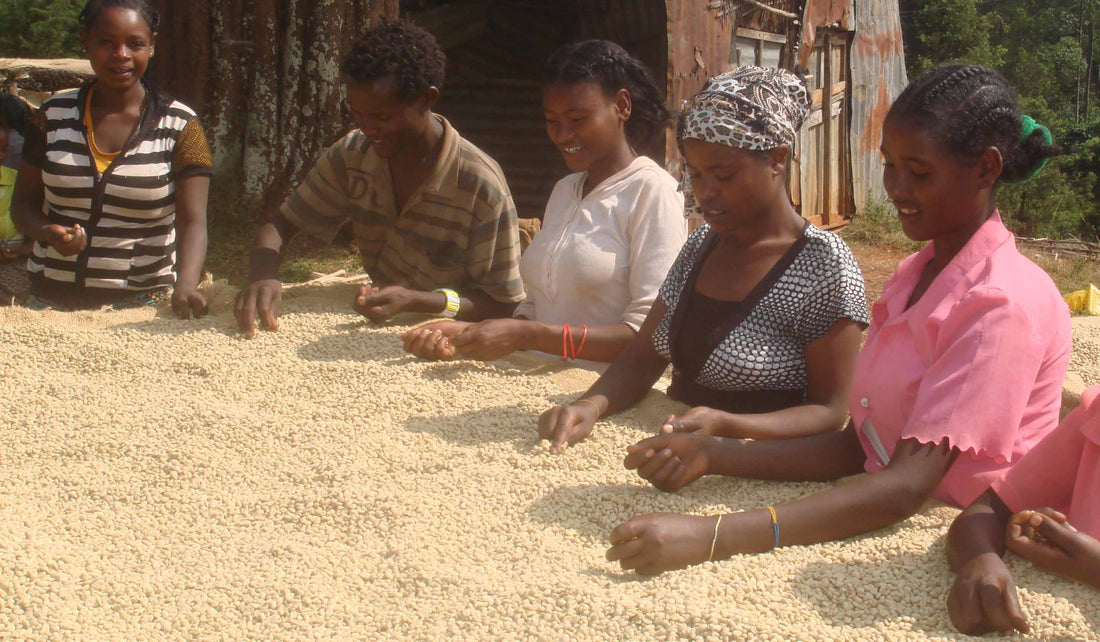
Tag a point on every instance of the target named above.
point(114, 180)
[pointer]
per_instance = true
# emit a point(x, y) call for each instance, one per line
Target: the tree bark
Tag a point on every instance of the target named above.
point(264, 76)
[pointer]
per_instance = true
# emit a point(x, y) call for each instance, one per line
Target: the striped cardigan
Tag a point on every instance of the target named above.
point(128, 212)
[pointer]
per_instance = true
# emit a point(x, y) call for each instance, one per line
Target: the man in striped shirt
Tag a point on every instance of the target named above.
point(432, 214)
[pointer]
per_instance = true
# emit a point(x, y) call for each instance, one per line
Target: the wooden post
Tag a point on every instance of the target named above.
point(827, 132)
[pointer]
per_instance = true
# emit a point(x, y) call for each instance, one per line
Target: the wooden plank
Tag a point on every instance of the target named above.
point(753, 34)
point(829, 158)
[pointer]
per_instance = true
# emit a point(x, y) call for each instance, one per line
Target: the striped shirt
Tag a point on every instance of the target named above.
point(458, 230)
point(128, 211)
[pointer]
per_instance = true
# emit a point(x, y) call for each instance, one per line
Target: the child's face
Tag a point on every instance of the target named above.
point(585, 124)
point(119, 46)
point(3, 145)
point(390, 123)
point(934, 193)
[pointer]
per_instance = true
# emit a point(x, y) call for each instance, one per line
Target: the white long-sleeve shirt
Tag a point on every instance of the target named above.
point(600, 259)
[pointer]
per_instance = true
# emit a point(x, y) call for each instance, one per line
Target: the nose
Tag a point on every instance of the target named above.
point(705, 190)
point(559, 133)
point(897, 188)
point(121, 51)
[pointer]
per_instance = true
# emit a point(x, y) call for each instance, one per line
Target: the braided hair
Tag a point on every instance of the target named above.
point(400, 49)
point(90, 13)
point(971, 108)
point(613, 68)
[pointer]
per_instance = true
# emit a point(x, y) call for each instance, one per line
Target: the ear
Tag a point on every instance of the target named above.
point(777, 159)
point(431, 96)
point(82, 35)
point(623, 104)
point(153, 45)
point(990, 166)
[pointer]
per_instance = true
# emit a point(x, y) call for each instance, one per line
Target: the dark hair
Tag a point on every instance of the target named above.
point(90, 13)
point(612, 68)
point(400, 49)
point(971, 108)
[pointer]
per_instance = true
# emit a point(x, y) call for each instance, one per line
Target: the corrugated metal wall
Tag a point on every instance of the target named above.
point(492, 93)
point(878, 76)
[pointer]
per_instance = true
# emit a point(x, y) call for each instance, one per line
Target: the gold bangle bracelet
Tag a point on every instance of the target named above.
point(594, 405)
point(714, 540)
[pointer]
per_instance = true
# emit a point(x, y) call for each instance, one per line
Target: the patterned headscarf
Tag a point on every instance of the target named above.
point(751, 108)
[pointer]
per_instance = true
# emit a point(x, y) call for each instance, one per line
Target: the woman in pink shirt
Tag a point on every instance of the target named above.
point(1061, 475)
point(961, 372)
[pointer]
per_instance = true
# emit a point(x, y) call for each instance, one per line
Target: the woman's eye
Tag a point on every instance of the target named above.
point(723, 178)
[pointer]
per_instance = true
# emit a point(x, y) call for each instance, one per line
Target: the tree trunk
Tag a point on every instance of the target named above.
point(264, 76)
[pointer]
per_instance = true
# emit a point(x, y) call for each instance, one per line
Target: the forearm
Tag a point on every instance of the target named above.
point(629, 378)
point(798, 421)
point(601, 343)
point(823, 457)
point(191, 250)
point(28, 217)
point(267, 249)
point(979, 529)
point(860, 506)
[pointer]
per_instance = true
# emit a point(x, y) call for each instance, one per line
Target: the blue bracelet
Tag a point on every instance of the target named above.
point(775, 526)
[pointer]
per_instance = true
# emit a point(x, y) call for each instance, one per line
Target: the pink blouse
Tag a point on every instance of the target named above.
point(1063, 470)
point(978, 360)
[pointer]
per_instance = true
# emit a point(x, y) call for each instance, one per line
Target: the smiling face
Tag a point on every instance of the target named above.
point(935, 194)
point(391, 123)
point(585, 124)
point(733, 186)
point(119, 46)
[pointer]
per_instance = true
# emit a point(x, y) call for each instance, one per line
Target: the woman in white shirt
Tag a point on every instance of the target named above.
point(610, 232)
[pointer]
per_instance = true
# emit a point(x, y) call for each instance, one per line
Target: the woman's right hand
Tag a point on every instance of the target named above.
point(66, 240)
point(564, 426)
point(670, 461)
point(433, 340)
point(983, 598)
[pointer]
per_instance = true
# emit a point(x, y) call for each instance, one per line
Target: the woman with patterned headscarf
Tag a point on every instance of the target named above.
point(762, 312)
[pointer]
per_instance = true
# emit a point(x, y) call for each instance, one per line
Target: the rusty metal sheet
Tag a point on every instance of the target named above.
point(878, 76)
point(698, 47)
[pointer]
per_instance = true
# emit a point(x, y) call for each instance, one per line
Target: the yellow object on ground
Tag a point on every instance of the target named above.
point(1085, 301)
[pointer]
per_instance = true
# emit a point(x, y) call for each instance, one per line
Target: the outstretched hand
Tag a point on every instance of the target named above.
point(653, 544)
point(983, 598)
point(491, 339)
point(433, 340)
point(261, 298)
point(566, 425)
point(187, 301)
point(1046, 539)
point(381, 305)
point(670, 461)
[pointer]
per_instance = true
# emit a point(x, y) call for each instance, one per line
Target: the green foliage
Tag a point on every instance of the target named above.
point(40, 28)
point(878, 225)
point(939, 30)
point(1047, 49)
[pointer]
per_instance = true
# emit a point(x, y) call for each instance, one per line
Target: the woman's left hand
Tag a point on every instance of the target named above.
point(492, 339)
point(1048, 541)
point(659, 542)
point(187, 301)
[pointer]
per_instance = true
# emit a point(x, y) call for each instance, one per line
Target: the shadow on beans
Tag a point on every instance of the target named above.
point(501, 425)
point(863, 594)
